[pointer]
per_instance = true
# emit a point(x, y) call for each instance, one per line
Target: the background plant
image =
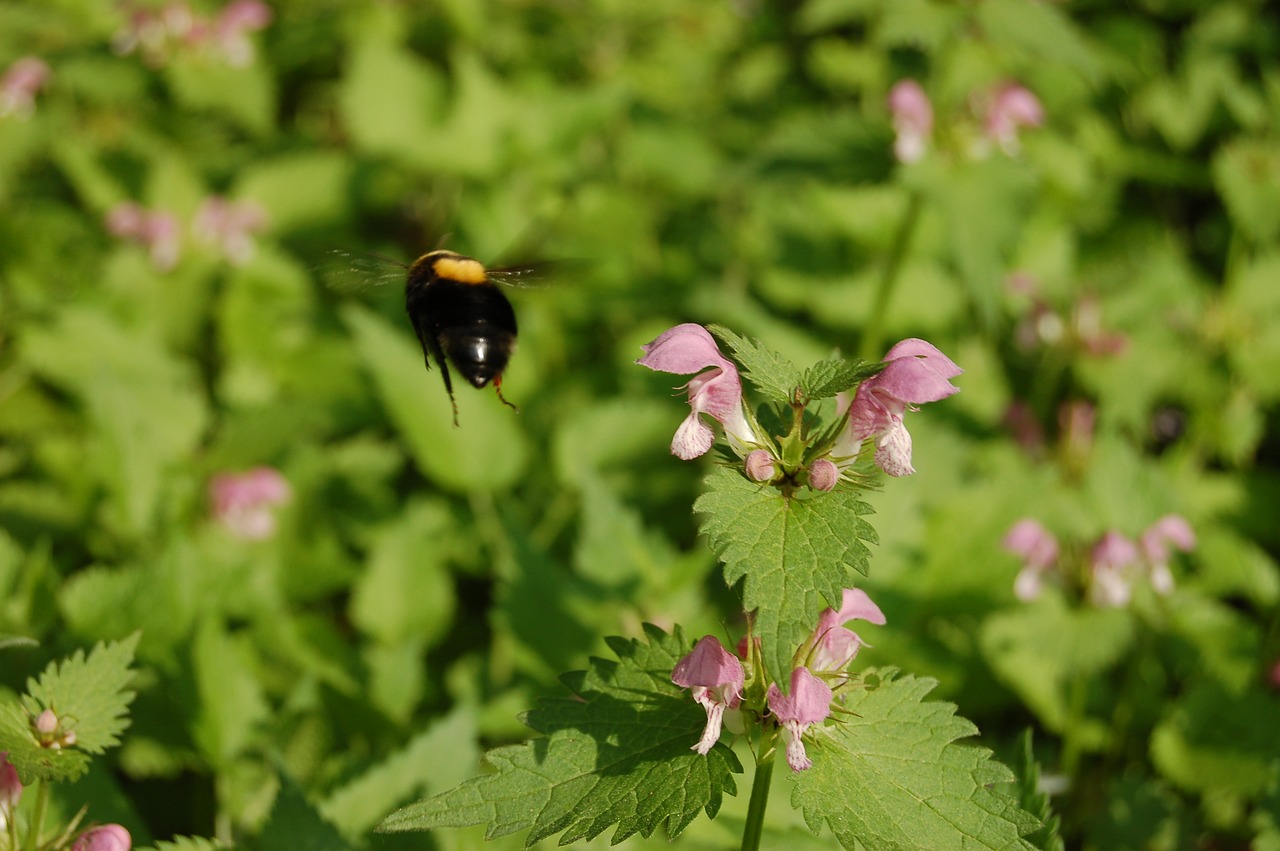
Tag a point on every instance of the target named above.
point(1106, 279)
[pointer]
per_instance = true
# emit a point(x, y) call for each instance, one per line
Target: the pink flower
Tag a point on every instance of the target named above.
point(1111, 562)
point(234, 22)
point(10, 789)
point(835, 646)
point(157, 231)
point(1154, 544)
point(19, 85)
point(809, 703)
point(243, 502)
point(718, 391)
point(715, 677)
point(1012, 107)
point(229, 225)
point(104, 837)
point(1039, 551)
point(912, 120)
point(916, 373)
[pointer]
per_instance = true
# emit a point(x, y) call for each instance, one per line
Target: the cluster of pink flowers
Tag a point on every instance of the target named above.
point(245, 503)
point(227, 226)
point(19, 86)
point(916, 372)
point(1114, 561)
point(717, 679)
point(1004, 111)
point(160, 33)
point(1079, 325)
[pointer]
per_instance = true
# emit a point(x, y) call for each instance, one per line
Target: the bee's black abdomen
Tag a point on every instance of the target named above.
point(480, 352)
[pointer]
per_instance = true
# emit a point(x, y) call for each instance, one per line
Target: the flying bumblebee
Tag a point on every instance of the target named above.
point(459, 312)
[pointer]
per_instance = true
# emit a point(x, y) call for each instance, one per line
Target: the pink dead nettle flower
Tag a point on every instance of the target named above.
point(229, 226)
point(232, 26)
point(1039, 551)
point(834, 645)
point(912, 120)
point(243, 502)
point(715, 677)
point(10, 789)
point(1011, 107)
point(19, 86)
point(1111, 563)
point(160, 33)
point(104, 837)
point(809, 703)
point(1154, 544)
point(689, 348)
point(916, 373)
point(156, 230)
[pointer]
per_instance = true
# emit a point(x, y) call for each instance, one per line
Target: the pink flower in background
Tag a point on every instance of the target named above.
point(155, 230)
point(809, 703)
point(229, 226)
point(715, 677)
point(10, 789)
point(912, 120)
point(1111, 564)
point(835, 646)
point(245, 502)
point(232, 26)
point(717, 392)
point(1154, 544)
point(104, 837)
point(1089, 333)
point(160, 33)
point(916, 373)
point(1011, 108)
point(1039, 551)
point(19, 86)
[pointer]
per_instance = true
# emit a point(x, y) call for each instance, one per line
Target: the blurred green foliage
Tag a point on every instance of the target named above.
point(726, 162)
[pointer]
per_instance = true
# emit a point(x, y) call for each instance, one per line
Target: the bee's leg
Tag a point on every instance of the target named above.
point(448, 386)
point(430, 349)
point(497, 385)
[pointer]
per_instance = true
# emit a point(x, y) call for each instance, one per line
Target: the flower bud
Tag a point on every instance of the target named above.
point(823, 474)
point(760, 466)
point(104, 837)
point(10, 788)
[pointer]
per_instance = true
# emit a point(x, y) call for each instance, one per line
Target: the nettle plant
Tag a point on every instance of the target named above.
point(76, 710)
point(641, 741)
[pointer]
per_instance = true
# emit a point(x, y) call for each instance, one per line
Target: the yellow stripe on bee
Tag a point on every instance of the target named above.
point(464, 270)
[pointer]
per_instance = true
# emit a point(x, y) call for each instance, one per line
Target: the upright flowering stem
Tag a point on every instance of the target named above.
point(871, 342)
point(760, 786)
point(37, 818)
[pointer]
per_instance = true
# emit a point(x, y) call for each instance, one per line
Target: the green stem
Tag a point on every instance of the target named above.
point(759, 797)
point(37, 819)
point(1075, 718)
point(871, 341)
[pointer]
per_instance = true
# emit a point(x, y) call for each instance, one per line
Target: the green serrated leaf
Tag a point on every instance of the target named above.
point(827, 378)
point(796, 555)
point(890, 776)
point(1033, 800)
point(773, 375)
point(617, 752)
point(88, 695)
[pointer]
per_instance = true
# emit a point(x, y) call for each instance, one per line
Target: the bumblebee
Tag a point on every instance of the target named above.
point(462, 317)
